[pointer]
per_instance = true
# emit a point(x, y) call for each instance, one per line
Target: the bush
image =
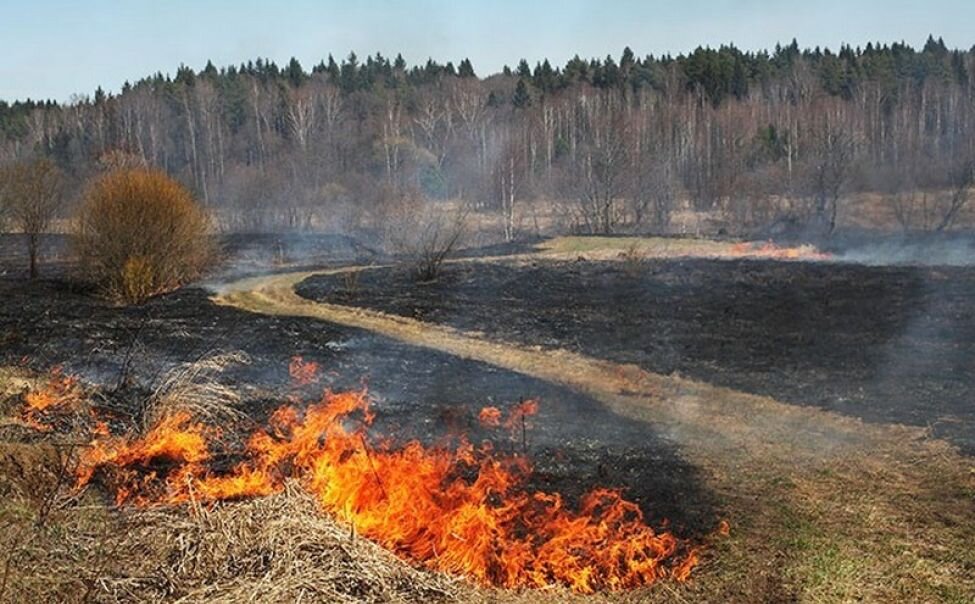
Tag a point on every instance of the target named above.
point(423, 233)
point(141, 233)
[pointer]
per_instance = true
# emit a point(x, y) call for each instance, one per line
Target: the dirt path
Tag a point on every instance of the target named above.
point(823, 506)
point(702, 417)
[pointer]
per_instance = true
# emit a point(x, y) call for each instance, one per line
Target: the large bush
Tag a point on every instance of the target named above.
point(141, 233)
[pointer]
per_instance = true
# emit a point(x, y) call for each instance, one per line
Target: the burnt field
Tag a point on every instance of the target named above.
point(642, 369)
point(419, 394)
point(885, 344)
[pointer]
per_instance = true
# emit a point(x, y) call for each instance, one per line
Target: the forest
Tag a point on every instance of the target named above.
point(750, 139)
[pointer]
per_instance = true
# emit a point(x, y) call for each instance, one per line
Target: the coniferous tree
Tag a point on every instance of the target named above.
point(466, 70)
point(294, 73)
point(522, 97)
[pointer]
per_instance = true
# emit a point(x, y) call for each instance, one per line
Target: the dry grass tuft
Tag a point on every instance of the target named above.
point(194, 388)
point(275, 549)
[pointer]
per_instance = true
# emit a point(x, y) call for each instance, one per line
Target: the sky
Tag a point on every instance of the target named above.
point(58, 48)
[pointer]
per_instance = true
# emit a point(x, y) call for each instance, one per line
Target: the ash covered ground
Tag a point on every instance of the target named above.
point(575, 444)
point(883, 343)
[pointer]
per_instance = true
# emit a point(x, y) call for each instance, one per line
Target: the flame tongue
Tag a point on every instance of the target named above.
point(465, 511)
point(770, 250)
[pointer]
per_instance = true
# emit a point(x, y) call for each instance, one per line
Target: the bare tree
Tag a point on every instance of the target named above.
point(32, 194)
point(510, 176)
point(606, 166)
point(830, 170)
point(301, 115)
point(962, 177)
point(654, 194)
point(423, 233)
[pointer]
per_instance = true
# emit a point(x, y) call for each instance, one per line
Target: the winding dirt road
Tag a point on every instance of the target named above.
point(697, 415)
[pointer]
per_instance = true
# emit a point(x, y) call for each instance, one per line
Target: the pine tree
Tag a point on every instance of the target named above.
point(333, 71)
point(466, 70)
point(522, 97)
point(295, 74)
point(349, 78)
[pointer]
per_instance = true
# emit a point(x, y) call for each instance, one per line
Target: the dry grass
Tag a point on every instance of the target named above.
point(275, 549)
point(609, 248)
point(195, 388)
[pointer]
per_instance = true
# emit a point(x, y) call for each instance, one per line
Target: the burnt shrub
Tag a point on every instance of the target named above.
point(141, 233)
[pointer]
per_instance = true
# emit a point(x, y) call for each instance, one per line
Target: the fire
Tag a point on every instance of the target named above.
point(490, 417)
point(59, 394)
point(768, 249)
point(466, 511)
point(520, 413)
point(302, 372)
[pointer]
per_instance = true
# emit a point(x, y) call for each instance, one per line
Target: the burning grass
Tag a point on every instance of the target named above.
point(463, 511)
point(457, 508)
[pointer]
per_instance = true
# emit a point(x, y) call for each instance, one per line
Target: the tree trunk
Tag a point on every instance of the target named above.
point(32, 255)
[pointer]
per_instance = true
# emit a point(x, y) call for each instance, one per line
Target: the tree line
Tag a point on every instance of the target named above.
point(605, 145)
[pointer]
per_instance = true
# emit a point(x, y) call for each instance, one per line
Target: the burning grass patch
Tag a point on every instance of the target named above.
point(462, 510)
point(884, 517)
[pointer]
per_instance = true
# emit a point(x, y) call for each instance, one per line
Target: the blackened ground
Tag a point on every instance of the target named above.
point(891, 344)
point(575, 443)
point(237, 254)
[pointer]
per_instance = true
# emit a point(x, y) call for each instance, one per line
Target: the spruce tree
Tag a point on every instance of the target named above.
point(466, 70)
point(522, 97)
point(294, 72)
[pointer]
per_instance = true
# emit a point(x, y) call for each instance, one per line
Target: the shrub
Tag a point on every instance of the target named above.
point(141, 233)
point(422, 233)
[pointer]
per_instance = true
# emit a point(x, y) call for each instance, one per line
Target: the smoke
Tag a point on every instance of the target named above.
point(905, 251)
point(251, 254)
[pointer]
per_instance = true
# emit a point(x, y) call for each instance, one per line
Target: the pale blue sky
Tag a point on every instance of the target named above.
point(56, 48)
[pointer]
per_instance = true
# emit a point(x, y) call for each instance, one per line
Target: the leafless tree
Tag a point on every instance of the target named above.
point(510, 175)
point(654, 194)
point(32, 194)
point(830, 169)
point(603, 175)
point(962, 176)
point(423, 234)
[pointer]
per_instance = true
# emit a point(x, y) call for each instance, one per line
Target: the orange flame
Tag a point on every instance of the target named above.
point(770, 250)
point(490, 417)
point(465, 511)
point(520, 413)
point(59, 394)
point(302, 372)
